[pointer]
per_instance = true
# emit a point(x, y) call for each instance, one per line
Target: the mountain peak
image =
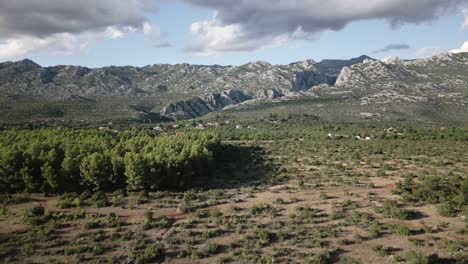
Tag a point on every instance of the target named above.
point(27, 64)
point(259, 63)
point(363, 57)
point(308, 63)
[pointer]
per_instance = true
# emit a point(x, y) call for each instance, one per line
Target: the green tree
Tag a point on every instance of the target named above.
point(95, 171)
point(70, 170)
point(11, 163)
point(136, 172)
point(51, 183)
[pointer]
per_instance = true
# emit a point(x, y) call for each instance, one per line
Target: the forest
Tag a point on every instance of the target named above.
point(75, 160)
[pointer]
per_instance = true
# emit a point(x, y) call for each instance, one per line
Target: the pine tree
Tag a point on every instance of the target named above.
point(95, 171)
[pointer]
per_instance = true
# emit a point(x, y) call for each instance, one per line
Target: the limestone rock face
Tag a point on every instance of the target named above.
point(396, 80)
point(202, 105)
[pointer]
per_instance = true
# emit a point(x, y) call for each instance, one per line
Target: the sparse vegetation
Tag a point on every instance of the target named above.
point(281, 193)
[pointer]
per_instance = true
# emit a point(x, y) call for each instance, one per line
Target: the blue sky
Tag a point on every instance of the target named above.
point(174, 18)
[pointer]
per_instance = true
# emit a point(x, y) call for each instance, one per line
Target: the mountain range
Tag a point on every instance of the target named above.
point(188, 91)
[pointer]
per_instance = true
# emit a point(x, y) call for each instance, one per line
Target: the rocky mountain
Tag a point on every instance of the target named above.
point(202, 105)
point(442, 77)
point(26, 78)
point(188, 91)
point(307, 74)
point(332, 68)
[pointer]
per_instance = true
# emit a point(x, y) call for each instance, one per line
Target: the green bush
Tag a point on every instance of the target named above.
point(208, 250)
point(449, 193)
point(381, 250)
point(393, 210)
point(37, 215)
point(152, 254)
point(417, 258)
point(321, 258)
point(375, 230)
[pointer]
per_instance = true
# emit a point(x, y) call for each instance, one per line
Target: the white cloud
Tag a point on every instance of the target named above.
point(465, 22)
point(147, 28)
point(428, 52)
point(464, 48)
point(210, 37)
point(63, 43)
point(113, 32)
point(248, 25)
point(66, 26)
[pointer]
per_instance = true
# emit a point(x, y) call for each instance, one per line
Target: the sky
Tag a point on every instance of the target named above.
point(227, 32)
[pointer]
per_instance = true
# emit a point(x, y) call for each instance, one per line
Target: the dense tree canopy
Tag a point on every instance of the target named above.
point(66, 160)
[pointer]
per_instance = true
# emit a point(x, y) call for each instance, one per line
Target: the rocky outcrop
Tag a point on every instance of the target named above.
point(396, 80)
point(332, 68)
point(202, 105)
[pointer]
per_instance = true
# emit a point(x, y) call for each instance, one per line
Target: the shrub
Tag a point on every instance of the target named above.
point(450, 193)
point(149, 215)
point(37, 215)
point(448, 209)
point(70, 200)
point(381, 250)
point(348, 260)
point(262, 236)
point(375, 230)
point(113, 220)
point(208, 250)
point(392, 209)
point(417, 258)
point(262, 209)
point(187, 205)
point(321, 258)
point(92, 224)
point(279, 201)
point(152, 254)
point(323, 196)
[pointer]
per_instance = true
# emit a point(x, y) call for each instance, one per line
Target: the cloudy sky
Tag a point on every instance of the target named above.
point(141, 32)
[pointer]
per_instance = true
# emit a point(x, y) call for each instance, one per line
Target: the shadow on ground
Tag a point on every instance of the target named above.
point(239, 166)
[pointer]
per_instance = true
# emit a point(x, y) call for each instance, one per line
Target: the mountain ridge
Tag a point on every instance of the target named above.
point(27, 78)
point(188, 91)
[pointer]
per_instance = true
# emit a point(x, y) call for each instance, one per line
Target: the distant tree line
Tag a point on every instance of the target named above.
point(75, 160)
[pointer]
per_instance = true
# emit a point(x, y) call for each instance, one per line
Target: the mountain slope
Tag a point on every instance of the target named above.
point(26, 78)
point(442, 77)
point(433, 90)
point(188, 91)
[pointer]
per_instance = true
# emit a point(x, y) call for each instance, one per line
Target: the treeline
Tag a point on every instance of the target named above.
point(75, 160)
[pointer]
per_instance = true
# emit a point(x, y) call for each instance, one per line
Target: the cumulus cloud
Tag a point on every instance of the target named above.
point(392, 47)
point(66, 26)
point(464, 48)
point(248, 25)
point(428, 52)
point(63, 43)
